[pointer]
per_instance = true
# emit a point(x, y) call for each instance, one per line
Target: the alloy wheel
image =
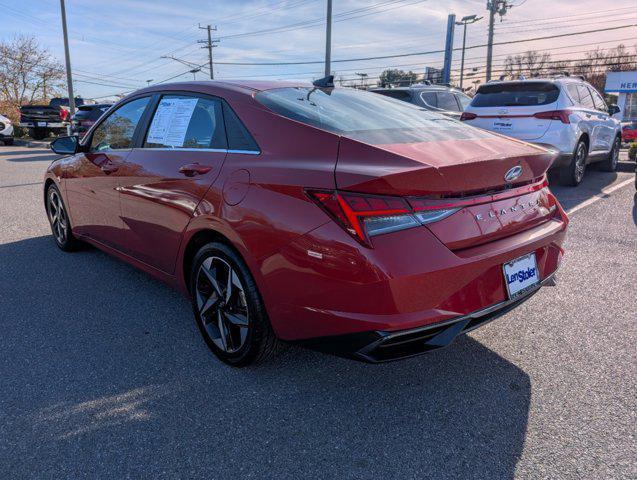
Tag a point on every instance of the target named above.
point(221, 302)
point(57, 216)
point(615, 153)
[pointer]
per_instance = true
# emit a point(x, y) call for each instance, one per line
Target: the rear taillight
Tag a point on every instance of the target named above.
point(63, 114)
point(561, 115)
point(364, 216)
point(468, 116)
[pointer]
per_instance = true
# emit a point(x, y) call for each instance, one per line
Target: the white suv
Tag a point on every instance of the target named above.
point(564, 114)
point(6, 131)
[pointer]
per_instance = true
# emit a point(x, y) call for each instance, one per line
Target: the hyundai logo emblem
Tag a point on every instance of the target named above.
point(513, 173)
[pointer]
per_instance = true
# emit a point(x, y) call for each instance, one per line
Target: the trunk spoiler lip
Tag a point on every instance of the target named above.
point(459, 201)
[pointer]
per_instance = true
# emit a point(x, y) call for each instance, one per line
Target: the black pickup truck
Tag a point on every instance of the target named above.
point(43, 120)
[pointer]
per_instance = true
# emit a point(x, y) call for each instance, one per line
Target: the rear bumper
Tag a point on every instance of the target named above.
point(324, 284)
point(382, 346)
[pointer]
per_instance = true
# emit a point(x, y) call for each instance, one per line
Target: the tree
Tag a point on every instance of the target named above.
point(593, 67)
point(529, 64)
point(397, 77)
point(28, 73)
point(598, 62)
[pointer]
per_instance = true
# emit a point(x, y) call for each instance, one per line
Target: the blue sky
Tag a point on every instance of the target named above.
point(119, 43)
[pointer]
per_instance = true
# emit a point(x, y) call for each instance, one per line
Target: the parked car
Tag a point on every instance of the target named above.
point(334, 218)
point(86, 116)
point(629, 132)
point(44, 120)
point(437, 98)
point(564, 113)
point(6, 130)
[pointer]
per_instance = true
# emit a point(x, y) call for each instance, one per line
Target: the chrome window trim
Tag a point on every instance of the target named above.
point(190, 149)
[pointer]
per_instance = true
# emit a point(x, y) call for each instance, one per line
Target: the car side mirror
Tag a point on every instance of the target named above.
point(65, 145)
point(613, 109)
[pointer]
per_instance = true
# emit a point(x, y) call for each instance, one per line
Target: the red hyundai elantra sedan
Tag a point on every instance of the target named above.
point(339, 219)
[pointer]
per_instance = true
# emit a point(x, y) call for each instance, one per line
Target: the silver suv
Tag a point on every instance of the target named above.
point(565, 114)
point(437, 98)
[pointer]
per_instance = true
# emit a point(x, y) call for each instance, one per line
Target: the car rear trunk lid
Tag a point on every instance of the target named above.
point(468, 174)
point(445, 168)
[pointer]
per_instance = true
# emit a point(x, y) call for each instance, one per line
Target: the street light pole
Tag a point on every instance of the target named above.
point(500, 7)
point(465, 21)
point(328, 40)
point(67, 56)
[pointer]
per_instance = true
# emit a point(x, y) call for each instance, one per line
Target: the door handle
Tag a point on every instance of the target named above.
point(109, 168)
point(192, 169)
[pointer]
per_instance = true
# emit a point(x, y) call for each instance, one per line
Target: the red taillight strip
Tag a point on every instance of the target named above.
point(353, 216)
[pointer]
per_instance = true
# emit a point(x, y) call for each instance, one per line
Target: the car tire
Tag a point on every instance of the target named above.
point(234, 324)
point(573, 174)
point(610, 163)
point(59, 220)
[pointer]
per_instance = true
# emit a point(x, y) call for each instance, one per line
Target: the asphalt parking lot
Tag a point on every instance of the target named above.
point(104, 373)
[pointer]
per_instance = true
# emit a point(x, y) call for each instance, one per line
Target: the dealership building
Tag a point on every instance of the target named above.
point(624, 84)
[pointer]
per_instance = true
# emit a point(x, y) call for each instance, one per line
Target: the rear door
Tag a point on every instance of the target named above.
point(92, 178)
point(606, 123)
point(177, 159)
point(590, 118)
point(509, 108)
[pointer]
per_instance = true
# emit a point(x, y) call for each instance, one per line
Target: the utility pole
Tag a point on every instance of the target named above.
point(465, 21)
point(363, 77)
point(446, 69)
point(328, 40)
point(500, 7)
point(209, 44)
point(69, 77)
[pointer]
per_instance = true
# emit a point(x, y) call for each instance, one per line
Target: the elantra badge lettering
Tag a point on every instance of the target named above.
point(504, 211)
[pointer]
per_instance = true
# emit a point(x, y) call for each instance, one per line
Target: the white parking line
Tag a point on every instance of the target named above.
point(599, 196)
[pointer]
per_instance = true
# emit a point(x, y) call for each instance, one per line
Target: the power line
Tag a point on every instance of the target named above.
point(565, 16)
point(340, 17)
point(431, 52)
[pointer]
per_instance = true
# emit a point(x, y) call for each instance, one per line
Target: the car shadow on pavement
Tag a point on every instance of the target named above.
point(27, 156)
point(104, 373)
point(593, 183)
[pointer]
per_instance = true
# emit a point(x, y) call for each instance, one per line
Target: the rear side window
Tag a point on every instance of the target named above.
point(600, 104)
point(430, 99)
point(463, 100)
point(238, 136)
point(183, 121)
point(586, 100)
point(447, 101)
point(573, 93)
point(403, 95)
point(116, 132)
point(522, 94)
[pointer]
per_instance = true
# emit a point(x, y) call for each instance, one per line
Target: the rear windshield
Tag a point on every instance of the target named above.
point(522, 94)
point(403, 95)
point(364, 116)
